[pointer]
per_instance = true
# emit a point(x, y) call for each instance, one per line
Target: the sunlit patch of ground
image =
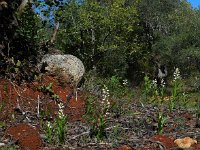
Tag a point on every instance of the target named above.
point(24, 110)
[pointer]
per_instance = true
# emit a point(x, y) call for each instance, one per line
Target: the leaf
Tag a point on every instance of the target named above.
point(18, 64)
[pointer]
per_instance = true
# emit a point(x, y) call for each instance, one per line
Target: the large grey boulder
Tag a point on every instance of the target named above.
point(69, 67)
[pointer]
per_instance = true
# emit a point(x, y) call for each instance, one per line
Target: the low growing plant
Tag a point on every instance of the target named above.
point(185, 99)
point(61, 124)
point(48, 90)
point(161, 122)
point(114, 136)
point(99, 127)
point(120, 93)
point(97, 112)
point(147, 87)
point(9, 147)
point(152, 91)
point(49, 132)
point(58, 128)
point(2, 105)
point(5, 88)
point(176, 89)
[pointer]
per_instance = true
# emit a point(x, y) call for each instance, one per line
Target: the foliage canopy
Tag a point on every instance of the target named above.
point(120, 37)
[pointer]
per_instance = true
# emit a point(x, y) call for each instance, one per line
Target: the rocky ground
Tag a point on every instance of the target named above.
point(21, 121)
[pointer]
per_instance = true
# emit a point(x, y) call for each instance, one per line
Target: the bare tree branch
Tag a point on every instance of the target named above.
point(53, 38)
point(23, 5)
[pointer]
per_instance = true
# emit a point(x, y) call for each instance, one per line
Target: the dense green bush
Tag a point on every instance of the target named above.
point(118, 37)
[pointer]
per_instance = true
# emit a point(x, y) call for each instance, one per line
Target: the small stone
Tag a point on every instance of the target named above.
point(185, 142)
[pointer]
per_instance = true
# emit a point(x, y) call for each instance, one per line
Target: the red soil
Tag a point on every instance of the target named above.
point(24, 98)
point(124, 147)
point(27, 136)
point(168, 142)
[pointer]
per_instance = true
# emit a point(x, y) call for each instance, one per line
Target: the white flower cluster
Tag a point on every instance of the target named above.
point(125, 82)
point(162, 83)
point(177, 74)
point(61, 110)
point(154, 83)
point(105, 98)
point(49, 125)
